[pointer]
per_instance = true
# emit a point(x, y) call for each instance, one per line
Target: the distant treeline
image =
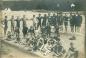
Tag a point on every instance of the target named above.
point(64, 5)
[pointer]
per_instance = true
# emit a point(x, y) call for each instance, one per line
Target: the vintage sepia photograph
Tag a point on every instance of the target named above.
point(42, 28)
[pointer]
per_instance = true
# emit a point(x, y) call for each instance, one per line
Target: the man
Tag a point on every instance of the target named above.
point(65, 18)
point(57, 18)
point(17, 34)
point(32, 31)
point(40, 43)
point(53, 20)
point(24, 26)
point(25, 30)
point(58, 50)
point(9, 36)
point(35, 21)
point(30, 22)
point(39, 21)
point(48, 30)
point(24, 20)
point(49, 20)
point(53, 31)
point(17, 31)
point(60, 21)
point(72, 22)
point(18, 22)
point(47, 48)
point(5, 25)
point(12, 24)
point(78, 21)
point(35, 41)
point(44, 22)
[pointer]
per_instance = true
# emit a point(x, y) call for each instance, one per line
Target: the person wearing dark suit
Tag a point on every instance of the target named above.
point(32, 31)
point(53, 20)
point(17, 32)
point(12, 23)
point(65, 20)
point(18, 22)
point(5, 22)
point(24, 21)
point(72, 22)
point(25, 28)
point(78, 21)
point(48, 30)
point(35, 22)
point(60, 21)
point(44, 22)
point(39, 18)
point(49, 19)
point(17, 28)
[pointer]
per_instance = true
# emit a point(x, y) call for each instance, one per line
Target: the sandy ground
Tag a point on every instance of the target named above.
point(11, 52)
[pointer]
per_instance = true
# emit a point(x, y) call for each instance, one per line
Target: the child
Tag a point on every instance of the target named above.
point(72, 52)
point(8, 35)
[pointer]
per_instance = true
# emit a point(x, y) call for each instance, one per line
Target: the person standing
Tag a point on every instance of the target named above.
point(12, 24)
point(31, 23)
point(78, 22)
point(5, 22)
point(65, 18)
point(39, 21)
point(53, 20)
point(44, 22)
point(24, 21)
point(35, 22)
point(18, 22)
point(17, 34)
point(24, 30)
point(48, 31)
point(72, 22)
point(17, 28)
point(60, 21)
point(49, 20)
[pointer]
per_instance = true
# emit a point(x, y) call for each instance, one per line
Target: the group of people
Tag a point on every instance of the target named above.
point(45, 22)
point(42, 32)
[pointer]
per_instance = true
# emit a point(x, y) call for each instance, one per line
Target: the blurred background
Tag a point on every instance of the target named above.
point(62, 5)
